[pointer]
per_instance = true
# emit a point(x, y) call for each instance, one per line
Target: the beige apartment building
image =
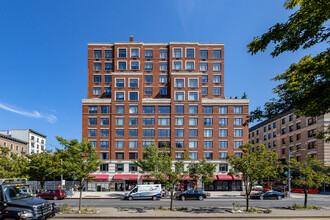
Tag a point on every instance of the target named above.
point(16, 146)
point(288, 132)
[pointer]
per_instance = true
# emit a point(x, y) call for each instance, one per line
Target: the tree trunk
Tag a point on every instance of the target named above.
point(306, 194)
point(80, 197)
point(171, 206)
point(42, 183)
point(247, 197)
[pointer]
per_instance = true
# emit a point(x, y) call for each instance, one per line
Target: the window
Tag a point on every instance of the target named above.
point(133, 83)
point(216, 54)
point(208, 121)
point(147, 143)
point(104, 144)
point(104, 167)
point(163, 53)
point(179, 109)
point(238, 132)
point(291, 139)
point(122, 53)
point(203, 54)
point(148, 54)
point(223, 109)
point(163, 90)
point(274, 125)
point(133, 121)
point(265, 129)
point(135, 52)
point(122, 65)
point(108, 66)
point(148, 66)
point(164, 109)
point(148, 121)
point(120, 96)
point(274, 134)
point(216, 78)
point(193, 109)
point(133, 132)
point(107, 78)
point(135, 65)
point(148, 90)
point(216, 90)
point(311, 133)
point(148, 78)
point(133, 96)
point(311, 121)
point(193, 96)
point(298, 125)
point(132, 167)
point(238, 121)
point(105, 109)
point(120, 83)
point(238, 154)
point(92, 109)
point(204, 90)
point(223, 167)
point(104, 121)
point(208, 109)
point(190, 65)
point(133, 144)
point(164, 144)
point(208, 133)
point(164, 121)
point(274, 143)
point(97, 54)
point(94, 143)
point(223, 132)
point(193, 144)
point(283, 120)
point(193, 83)
point(177, 53)
point(179, 121)
point(237, 144)
point(148, 132)
point(97, 66)
point(107, 90)
point(179, 83)
point(193, 155)
point(312, 145)
point(223, 121)
point(92, 132)
point(104, 156)
point(96, 90)
point(149, 109)
point(193, 121)
point(179, 155)
point(119, 132)
point(162, 78)
point(283, 130)
point(177, 65)
point(216, 66)
point(162, 66)
point(238, 109)
point(203, 66)
point(108, 54)
point(283, 140)
point(204, 78)
point(133, 109)
point(208, 155)
point(92, 121)
point(269, 127)
point(291, 118)
point(179, 96)
point(193, 132)
point(119, 109)
point(223, 144)
point(290, 128)
point(119, 121)
point(179, 132)
point(97, 78)
point(298, 136)
point(190, 53)
point(119, 167)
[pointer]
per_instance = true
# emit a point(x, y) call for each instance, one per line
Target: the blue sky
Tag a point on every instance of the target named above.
point(43, 58)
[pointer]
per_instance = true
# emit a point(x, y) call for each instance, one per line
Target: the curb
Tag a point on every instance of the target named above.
point(225, 197)
point(192, 217)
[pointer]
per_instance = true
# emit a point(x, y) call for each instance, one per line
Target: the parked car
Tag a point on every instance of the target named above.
point(268, 195)
point(191, 194)
point(257, 188)
point(145, 192)
point(53, 194)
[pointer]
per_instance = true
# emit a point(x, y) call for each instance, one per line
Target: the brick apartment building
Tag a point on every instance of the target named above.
point(16, 146)
point(170, 94)
point(295, 134)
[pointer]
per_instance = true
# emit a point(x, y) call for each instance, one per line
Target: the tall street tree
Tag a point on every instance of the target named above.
point(11, 165)
point(255, 165)
point(202, 171)
point(305, 86)
point(79, 160)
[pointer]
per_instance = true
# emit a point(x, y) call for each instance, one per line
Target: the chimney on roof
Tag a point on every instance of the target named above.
point(131, 39)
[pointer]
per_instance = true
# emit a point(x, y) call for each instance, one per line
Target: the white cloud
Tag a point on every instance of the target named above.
point(34, 114)
point(186, 11)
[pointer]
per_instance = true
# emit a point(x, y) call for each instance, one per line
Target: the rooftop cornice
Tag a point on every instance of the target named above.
point(101, 101)
point(156, 44)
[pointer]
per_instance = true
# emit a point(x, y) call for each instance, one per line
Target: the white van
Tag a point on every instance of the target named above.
point(145, 192)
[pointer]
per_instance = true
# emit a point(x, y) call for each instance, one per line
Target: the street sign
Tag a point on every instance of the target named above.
point(63, 182)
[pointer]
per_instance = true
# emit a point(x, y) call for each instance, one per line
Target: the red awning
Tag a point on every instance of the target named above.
point(125, 177)
point(228, 177)
point(99, 176)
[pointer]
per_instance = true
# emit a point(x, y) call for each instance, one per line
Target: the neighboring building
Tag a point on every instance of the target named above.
point(15, 145)
point(170, 94)
point(287, 133)
point(36, 141)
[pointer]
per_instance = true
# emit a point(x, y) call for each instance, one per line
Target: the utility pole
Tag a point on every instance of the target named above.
point(289, 176)
point(61, 174)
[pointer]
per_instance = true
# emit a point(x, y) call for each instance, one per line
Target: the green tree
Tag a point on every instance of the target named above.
point(255, 165)
point(311, 174)
point(11, 165)
point(160, 165)
point(203, 171)
point(244, 96)
point(44, 166)
point(79, 160)
point(306, 84)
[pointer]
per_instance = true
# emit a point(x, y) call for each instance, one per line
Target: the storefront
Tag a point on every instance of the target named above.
point(225, 183)
point(99, 182)
point(124, 182)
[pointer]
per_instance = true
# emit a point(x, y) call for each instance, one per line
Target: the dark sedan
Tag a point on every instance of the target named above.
point(191, 194)
point(268, 195)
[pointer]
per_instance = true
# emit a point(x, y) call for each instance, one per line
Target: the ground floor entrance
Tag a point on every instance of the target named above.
point(224, 185)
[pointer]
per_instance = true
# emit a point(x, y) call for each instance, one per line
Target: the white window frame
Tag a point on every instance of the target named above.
point(184, 83)
point(145, 53)
point(118, 52)
point(177, 48)
point(129, 92)
point(119, 117)
point(193, 92)
point(207, 66)
point(213, 90)
point(116, 83)
point(111, 65)
point(178, 118)
point(129, 83)
point(166, 66)
point(97, 87)
point(185, 64)
point(116, 95)
point(118, 64)
point(130, 64)
point(104, 118)
point(148, 75)
point(184, 95)
point(148, 87)
point(207, 90)
point(213, 67)
point(216, 75)
point(130, 52)
point(132, 106)
point(189, 83)
point(165, 76)
point(174, 66)
point(151, 65)
point(186, 52)
point(192, 118)
point(207, 129)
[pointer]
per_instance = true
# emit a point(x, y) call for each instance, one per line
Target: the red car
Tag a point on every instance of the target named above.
point(53, 194)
